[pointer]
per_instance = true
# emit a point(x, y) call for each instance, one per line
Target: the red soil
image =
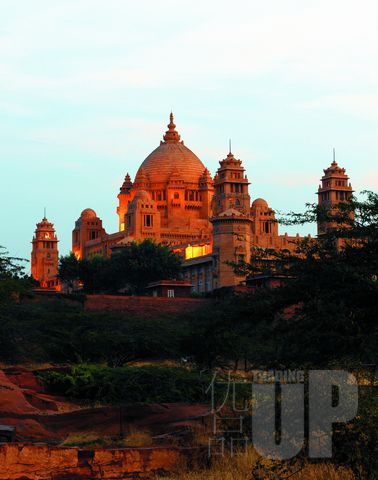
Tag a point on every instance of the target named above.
point(41, 417)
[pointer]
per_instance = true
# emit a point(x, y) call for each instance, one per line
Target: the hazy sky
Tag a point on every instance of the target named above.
point(86, 88)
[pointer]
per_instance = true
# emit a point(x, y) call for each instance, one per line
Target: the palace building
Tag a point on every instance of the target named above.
point(211, 221)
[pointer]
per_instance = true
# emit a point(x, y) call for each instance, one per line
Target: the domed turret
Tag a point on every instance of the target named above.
point(263, 218)
point(260, 202)
point(88, 227)
point(141, 196)
point(88, 213)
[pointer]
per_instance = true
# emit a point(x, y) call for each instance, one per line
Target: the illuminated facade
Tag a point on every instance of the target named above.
point(210, 221)
point(44, 256)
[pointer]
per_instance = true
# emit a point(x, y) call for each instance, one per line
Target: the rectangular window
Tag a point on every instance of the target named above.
point(148, 221)
point(170, 293)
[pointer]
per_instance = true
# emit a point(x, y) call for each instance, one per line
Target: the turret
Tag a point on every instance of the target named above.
point(206, 186)
point(231, 186)
point(231, 243)
point(124, 198)
point(142, 218)
point(263, 218)
point(335, 188)
point(44, 256)
point(87, 227)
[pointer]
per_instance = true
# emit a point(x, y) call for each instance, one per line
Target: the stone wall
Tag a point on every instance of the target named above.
point(44, 462)
point(143, 306)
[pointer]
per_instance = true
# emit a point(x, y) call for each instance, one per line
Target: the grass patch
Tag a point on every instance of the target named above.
point(250, 466)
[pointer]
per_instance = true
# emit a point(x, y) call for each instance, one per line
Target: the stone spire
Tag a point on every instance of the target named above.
point(205, 178)
point(127, 184)
point(171, 135)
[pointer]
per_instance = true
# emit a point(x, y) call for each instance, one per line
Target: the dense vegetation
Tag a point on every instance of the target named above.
point(128, 384)
point(130, 269)
point(60, 332)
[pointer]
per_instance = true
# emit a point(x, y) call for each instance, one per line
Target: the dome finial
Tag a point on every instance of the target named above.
point(171, 135)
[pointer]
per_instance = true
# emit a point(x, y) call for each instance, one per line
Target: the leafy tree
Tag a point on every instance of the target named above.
point(69, 269)
point(136, 265)
point(10, 267)
point(141, 263)
point(13, 280)
point(325, 312)
point(97, 274)
point(329, 305)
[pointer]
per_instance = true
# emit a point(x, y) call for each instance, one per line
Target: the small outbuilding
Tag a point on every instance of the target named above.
point(170, 289)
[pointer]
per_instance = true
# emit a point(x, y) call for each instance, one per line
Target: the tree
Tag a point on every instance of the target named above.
point(327, 308)
point(11, 267)
point(132, 268)
point(97, 274)
point(69, 269)
point(141, 263)
point(13, 279)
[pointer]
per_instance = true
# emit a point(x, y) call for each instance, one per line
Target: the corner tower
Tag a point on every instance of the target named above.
point(88, 234)
point(335, 188)
point(231, 186)
point(44, 256)
point(124, 198)
point(231, 243)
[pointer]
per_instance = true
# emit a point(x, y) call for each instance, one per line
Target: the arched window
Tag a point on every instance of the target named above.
point(176, 195)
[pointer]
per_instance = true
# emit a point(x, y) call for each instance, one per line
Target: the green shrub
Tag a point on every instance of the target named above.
point(127, 384)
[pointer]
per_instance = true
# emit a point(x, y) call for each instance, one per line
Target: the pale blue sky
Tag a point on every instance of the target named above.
point(86, 87)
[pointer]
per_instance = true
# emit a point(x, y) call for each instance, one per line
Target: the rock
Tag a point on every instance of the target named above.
point(43, 462)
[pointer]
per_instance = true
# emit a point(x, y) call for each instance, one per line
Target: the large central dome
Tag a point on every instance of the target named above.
point(171, 156)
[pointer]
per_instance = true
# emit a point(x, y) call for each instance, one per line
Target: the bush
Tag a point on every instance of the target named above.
point(96, 383)
point(58, 332)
